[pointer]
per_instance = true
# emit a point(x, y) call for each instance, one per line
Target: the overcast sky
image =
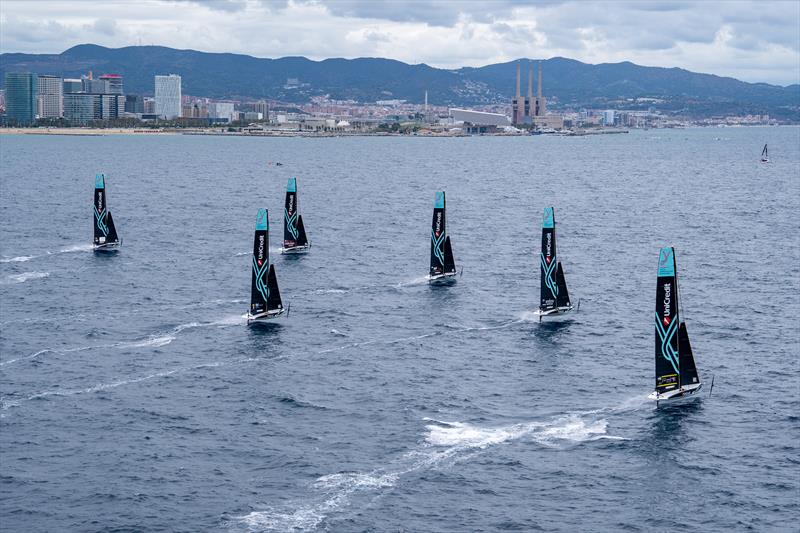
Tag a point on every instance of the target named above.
point(750, 40)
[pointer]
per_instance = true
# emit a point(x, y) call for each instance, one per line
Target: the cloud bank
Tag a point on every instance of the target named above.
point(751, 40)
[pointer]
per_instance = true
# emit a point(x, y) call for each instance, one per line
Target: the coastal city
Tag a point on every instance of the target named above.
point(72, 105)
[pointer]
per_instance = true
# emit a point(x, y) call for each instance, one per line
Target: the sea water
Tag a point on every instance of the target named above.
point(135, 398)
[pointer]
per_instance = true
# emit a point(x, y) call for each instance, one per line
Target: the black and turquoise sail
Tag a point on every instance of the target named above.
point(548, 264)
point(675, 366)
point(264, 294)
point(294, 231)
point(105, 234)
point(442, 259)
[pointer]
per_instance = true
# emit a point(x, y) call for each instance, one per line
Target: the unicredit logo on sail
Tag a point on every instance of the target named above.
point(549, 239)
point(667, 302)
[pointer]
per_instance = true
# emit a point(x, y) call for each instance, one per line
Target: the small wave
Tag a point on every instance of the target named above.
point(339, 333)
point(330, 291)
point(26, 276)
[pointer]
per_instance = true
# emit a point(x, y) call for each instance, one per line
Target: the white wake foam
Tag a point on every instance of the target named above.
point(26, 276)
point(444, 441)
point(18, 259)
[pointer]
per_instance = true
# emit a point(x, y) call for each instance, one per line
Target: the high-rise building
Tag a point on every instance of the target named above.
point(168, 96)
point(112, 83)
point(134, 103)
point(222, 111)
point(51, 97)
point(149, 106)
point(79, 108)
point(263, 107)
point(21, 97)
point(72, 85)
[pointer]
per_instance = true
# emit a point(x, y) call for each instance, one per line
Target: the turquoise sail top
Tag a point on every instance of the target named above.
point(666, 262)
point(548, 220)
point(262, 220)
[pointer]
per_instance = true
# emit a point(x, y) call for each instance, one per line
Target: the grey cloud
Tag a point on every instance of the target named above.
point(105, 26)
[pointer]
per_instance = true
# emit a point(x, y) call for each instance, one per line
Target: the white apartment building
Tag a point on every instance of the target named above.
point(168, 96)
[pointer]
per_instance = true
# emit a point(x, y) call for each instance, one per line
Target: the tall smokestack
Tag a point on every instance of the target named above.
point(517, 80)
point(426, 101)
point(539, 89)
point(530, 81)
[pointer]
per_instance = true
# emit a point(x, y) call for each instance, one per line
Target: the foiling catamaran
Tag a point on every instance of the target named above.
point(265, 298)
point(105, 234)
point(294, 232)
point(676, 373)
point(554, 296)
point(443, 265)
point(765, 155)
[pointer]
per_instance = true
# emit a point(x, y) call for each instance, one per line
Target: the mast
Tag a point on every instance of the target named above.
point(259, 290)
point(548, 262)
point(438, 235)
point(667, 321)
point(104, 230)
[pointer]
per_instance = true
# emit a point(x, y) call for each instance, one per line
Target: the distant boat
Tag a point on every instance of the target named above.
point(294, 232)
point(443, 265)
point(105, 234)
point(265, 298)
point(553, 293)
point(676, 373)
point(765, 155)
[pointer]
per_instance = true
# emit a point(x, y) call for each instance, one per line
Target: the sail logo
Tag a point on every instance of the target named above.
point(548, 247)
point(260, 257)
point(667, 303)
point(438, 224)
point(290, 201)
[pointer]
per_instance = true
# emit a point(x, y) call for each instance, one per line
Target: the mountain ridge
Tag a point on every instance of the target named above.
point(567, 82)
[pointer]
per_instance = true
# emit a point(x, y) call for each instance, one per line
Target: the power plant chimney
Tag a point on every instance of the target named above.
point(539, 90)
point(517, 80)
point(426, 101)
point(530, 81)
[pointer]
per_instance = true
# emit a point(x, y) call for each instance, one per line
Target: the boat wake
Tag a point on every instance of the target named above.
point(156, 340)
point(5, 404)
point(444, 444)
point(450, 329)
point(25, 276)
point(65, 250)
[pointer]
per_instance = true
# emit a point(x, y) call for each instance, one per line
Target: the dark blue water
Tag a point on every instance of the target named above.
point(134, 398)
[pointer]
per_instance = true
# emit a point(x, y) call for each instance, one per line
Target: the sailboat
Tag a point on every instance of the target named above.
point(554, 296)
point(265, 298)
point(765, 155)
point(294, 232)
point(105, 234)
point(443, 265)
point(676, 373)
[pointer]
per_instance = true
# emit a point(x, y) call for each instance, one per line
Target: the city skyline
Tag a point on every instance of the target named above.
point(751, 41)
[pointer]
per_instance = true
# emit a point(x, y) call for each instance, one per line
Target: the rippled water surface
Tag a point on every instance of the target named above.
point(134, 398)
